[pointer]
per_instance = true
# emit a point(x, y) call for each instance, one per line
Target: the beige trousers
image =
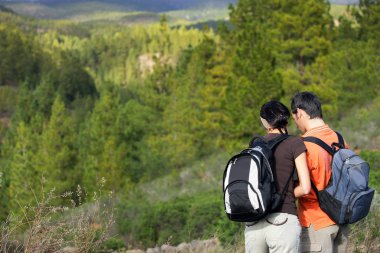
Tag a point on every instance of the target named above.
point(277, 233)
point(332, 239)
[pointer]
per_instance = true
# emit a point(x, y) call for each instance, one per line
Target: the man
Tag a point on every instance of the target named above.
point(319, 232)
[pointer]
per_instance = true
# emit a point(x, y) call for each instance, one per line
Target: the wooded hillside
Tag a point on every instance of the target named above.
point(139, 104)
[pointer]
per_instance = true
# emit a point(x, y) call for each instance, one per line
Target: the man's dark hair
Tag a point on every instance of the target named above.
point(309, 102)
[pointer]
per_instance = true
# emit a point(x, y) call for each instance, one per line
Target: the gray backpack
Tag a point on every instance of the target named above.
point(347, 198)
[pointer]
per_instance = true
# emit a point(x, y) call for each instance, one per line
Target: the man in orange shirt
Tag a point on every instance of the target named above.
point(319, 232)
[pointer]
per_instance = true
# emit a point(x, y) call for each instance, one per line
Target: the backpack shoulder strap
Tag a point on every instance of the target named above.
point(273, 143)
point(320, 143)
point(340, 138)
point(340, 143)
point(315, 189)
point(257, 138)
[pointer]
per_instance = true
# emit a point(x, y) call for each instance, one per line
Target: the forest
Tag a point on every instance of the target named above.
point(151, 113)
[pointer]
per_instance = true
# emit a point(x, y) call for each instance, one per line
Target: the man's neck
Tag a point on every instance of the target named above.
point(313, 123)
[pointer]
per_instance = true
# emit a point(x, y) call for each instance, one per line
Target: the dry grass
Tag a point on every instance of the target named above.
point(49, 227)
point(365, 235)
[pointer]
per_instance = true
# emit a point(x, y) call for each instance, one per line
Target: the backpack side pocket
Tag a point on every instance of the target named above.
point(359, 205)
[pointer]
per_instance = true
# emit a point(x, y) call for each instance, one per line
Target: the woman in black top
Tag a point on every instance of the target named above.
point(280, 231)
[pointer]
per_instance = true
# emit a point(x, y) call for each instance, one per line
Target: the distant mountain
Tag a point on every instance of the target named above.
point(138, 5)
point(90, 10)
point(172, 4)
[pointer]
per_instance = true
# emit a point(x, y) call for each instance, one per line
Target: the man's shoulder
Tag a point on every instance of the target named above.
point(324, 133)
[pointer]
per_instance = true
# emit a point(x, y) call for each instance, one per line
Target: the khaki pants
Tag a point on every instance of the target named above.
point(277, 233)
point(332, 239)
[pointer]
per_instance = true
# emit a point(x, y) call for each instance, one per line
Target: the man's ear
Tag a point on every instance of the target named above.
point(301, 112)
point(296, 114)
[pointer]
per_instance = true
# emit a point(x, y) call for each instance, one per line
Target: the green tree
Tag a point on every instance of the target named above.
point(254, 78)
point(351, 69)
point(100, 155)
point(14, 45)
point(193, 108)
point(73, 81)
point(24, 179)
point(368, 18)
point(56, 156)
point(302, 30)
point(111, 143)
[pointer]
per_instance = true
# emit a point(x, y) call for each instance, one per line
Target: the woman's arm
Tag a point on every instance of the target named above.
point(303, 176)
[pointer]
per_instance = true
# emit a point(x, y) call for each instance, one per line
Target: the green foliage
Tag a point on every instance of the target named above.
point(350, 69)
point(301, 30)
point(365, 233)
point(254, 79)
point(7, 99)
point(113, 244)
point(14, 45)
point(154, 109)
point(73, 81)
point(368, 18)
point(175, 221)
point(373, 158)
point(56, 157)
point(21, 170)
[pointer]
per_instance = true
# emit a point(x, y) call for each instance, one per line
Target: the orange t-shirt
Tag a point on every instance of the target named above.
point(319, 163)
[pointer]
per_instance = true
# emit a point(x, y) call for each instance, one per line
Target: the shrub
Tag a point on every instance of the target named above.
point(178, 220)
point(365, 234)
point(8, 98)
point(46, 227)
point(373, 158)
point(113, 244)
point(203, 216)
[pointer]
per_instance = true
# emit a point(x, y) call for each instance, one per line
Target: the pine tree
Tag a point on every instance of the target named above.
point(368, 18)
point(24, 179)
point(102, 151)
point(56, 156)
point(74, 81)
point(254, 79)
point(302, 30)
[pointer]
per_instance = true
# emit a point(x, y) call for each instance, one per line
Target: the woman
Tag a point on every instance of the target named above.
point(280, 231)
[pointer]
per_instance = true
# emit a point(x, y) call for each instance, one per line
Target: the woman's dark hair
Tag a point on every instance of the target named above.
point(309, 102)
point(276, 113)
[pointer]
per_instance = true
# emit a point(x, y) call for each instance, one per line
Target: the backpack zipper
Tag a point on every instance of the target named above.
point(346, 161)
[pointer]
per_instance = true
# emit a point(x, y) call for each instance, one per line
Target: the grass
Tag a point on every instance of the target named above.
point(361, 136)
point(365, 234)
point(338, 10)
point(197, 15)
point(47, 225)
point(202, 176)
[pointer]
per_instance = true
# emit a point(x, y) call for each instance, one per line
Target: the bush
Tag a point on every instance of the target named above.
point(113, 244)
point(8, 98)
point(47, 227)
point(365, 234)
point(373, 158)
point(179, 220)
point(203, 216)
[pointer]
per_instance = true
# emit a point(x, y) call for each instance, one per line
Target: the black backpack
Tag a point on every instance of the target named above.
point(249, 184)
